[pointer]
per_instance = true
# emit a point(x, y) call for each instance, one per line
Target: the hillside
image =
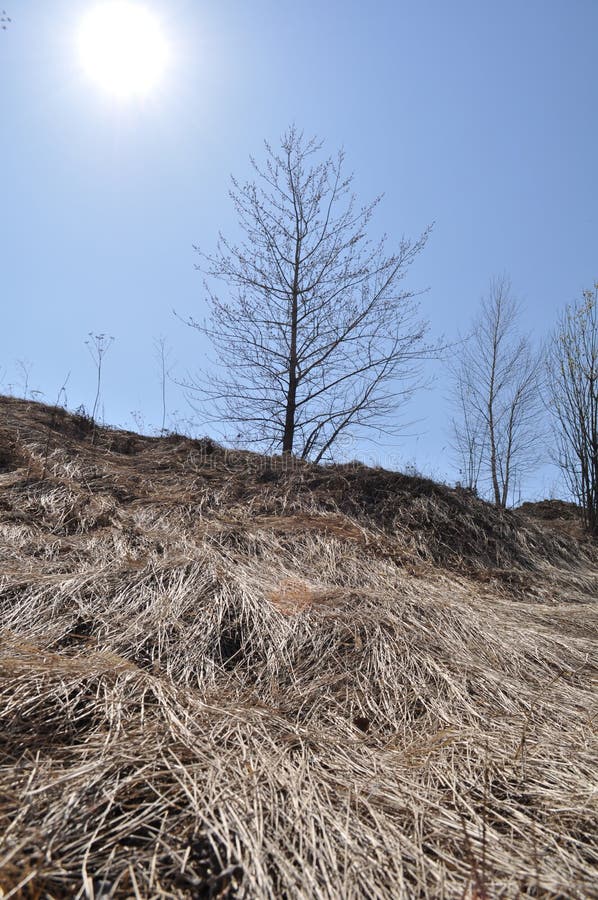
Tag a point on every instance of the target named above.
point(224, 676)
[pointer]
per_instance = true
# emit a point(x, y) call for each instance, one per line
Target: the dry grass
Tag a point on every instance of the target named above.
point(222, 678)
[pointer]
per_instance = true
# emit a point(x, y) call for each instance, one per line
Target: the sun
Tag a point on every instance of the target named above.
point(122, 48)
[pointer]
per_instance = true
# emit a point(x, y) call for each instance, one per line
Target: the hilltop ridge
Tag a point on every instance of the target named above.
point(229, 675)
point(447, 526)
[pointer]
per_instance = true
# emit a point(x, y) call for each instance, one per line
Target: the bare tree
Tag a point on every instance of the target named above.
point(496, 390)
point(316, 336)
point(573, 380)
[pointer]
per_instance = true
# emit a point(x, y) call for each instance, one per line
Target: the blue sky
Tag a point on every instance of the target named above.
point(480, 116)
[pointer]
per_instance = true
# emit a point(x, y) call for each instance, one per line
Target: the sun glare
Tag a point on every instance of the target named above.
point(123, 48)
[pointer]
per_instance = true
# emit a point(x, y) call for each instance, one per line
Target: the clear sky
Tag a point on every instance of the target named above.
point(478, 115)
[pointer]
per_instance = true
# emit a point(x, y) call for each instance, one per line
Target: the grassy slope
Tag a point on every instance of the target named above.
point(222, 678)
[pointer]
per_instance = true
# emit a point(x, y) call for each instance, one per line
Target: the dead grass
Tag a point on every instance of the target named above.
point(223, 678)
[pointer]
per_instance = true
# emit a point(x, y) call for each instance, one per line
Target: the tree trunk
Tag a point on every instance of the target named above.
point(291, 398)
point(492, 436)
